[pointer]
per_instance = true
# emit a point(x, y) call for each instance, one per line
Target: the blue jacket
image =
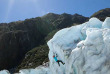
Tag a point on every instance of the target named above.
point(55, 58)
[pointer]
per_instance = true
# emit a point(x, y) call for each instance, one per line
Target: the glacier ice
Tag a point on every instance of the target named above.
point(106, 23)
point(4, 72)
point(84, 48)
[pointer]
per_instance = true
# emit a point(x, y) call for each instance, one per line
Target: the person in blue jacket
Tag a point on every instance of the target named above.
point(55, 58)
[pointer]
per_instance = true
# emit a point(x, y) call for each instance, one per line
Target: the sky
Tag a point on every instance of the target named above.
point(15, 10)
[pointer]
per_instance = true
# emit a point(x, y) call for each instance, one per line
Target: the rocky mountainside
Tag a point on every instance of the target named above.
point(67, 20)
point(16, 38)
point(64, 20)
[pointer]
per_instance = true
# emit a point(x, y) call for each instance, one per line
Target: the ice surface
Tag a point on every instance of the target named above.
point(106, 23)
point(84, 48)
point(4, 72)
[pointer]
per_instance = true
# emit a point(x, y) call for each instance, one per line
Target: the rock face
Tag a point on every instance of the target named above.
point(17, 38)
point(13, 46)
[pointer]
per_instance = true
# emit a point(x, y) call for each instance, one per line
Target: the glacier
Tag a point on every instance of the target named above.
point(83, 48)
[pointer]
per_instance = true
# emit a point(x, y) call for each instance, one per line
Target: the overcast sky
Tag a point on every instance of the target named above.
point(14, 10)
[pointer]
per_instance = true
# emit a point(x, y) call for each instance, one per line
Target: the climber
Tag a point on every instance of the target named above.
point(55, 58)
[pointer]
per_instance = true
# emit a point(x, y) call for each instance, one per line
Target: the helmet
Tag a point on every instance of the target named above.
point(53, 56)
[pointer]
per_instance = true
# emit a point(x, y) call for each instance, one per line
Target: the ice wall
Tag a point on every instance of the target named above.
point(67, 44)
point(84, 48)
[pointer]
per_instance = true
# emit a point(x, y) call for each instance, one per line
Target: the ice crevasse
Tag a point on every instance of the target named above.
point(84, 48)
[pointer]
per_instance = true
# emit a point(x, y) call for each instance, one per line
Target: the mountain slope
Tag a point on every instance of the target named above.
point(50, 17)
point(67, 20)
point(102, 14)
point(16, 38)
point(35, 57)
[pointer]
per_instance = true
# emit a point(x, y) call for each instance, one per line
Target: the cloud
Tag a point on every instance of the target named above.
point(9, 8)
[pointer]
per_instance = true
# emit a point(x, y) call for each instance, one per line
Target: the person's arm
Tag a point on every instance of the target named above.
point(56, 55)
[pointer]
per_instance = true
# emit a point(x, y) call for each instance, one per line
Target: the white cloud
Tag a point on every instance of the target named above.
point(9, 8)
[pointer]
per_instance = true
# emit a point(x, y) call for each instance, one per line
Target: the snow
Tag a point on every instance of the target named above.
point(4, 72)
point(84, 49)
point(39, 70)
point(106, 23)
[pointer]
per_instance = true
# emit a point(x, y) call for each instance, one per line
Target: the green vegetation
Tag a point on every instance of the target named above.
point(50, 17)
point(67, 20)
point(50, 35)
point(102, 14)
point(17, 38)
point(35, 57)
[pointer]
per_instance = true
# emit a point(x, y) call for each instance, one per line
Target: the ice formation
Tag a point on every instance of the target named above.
point(84, 48)
point(4, 72)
